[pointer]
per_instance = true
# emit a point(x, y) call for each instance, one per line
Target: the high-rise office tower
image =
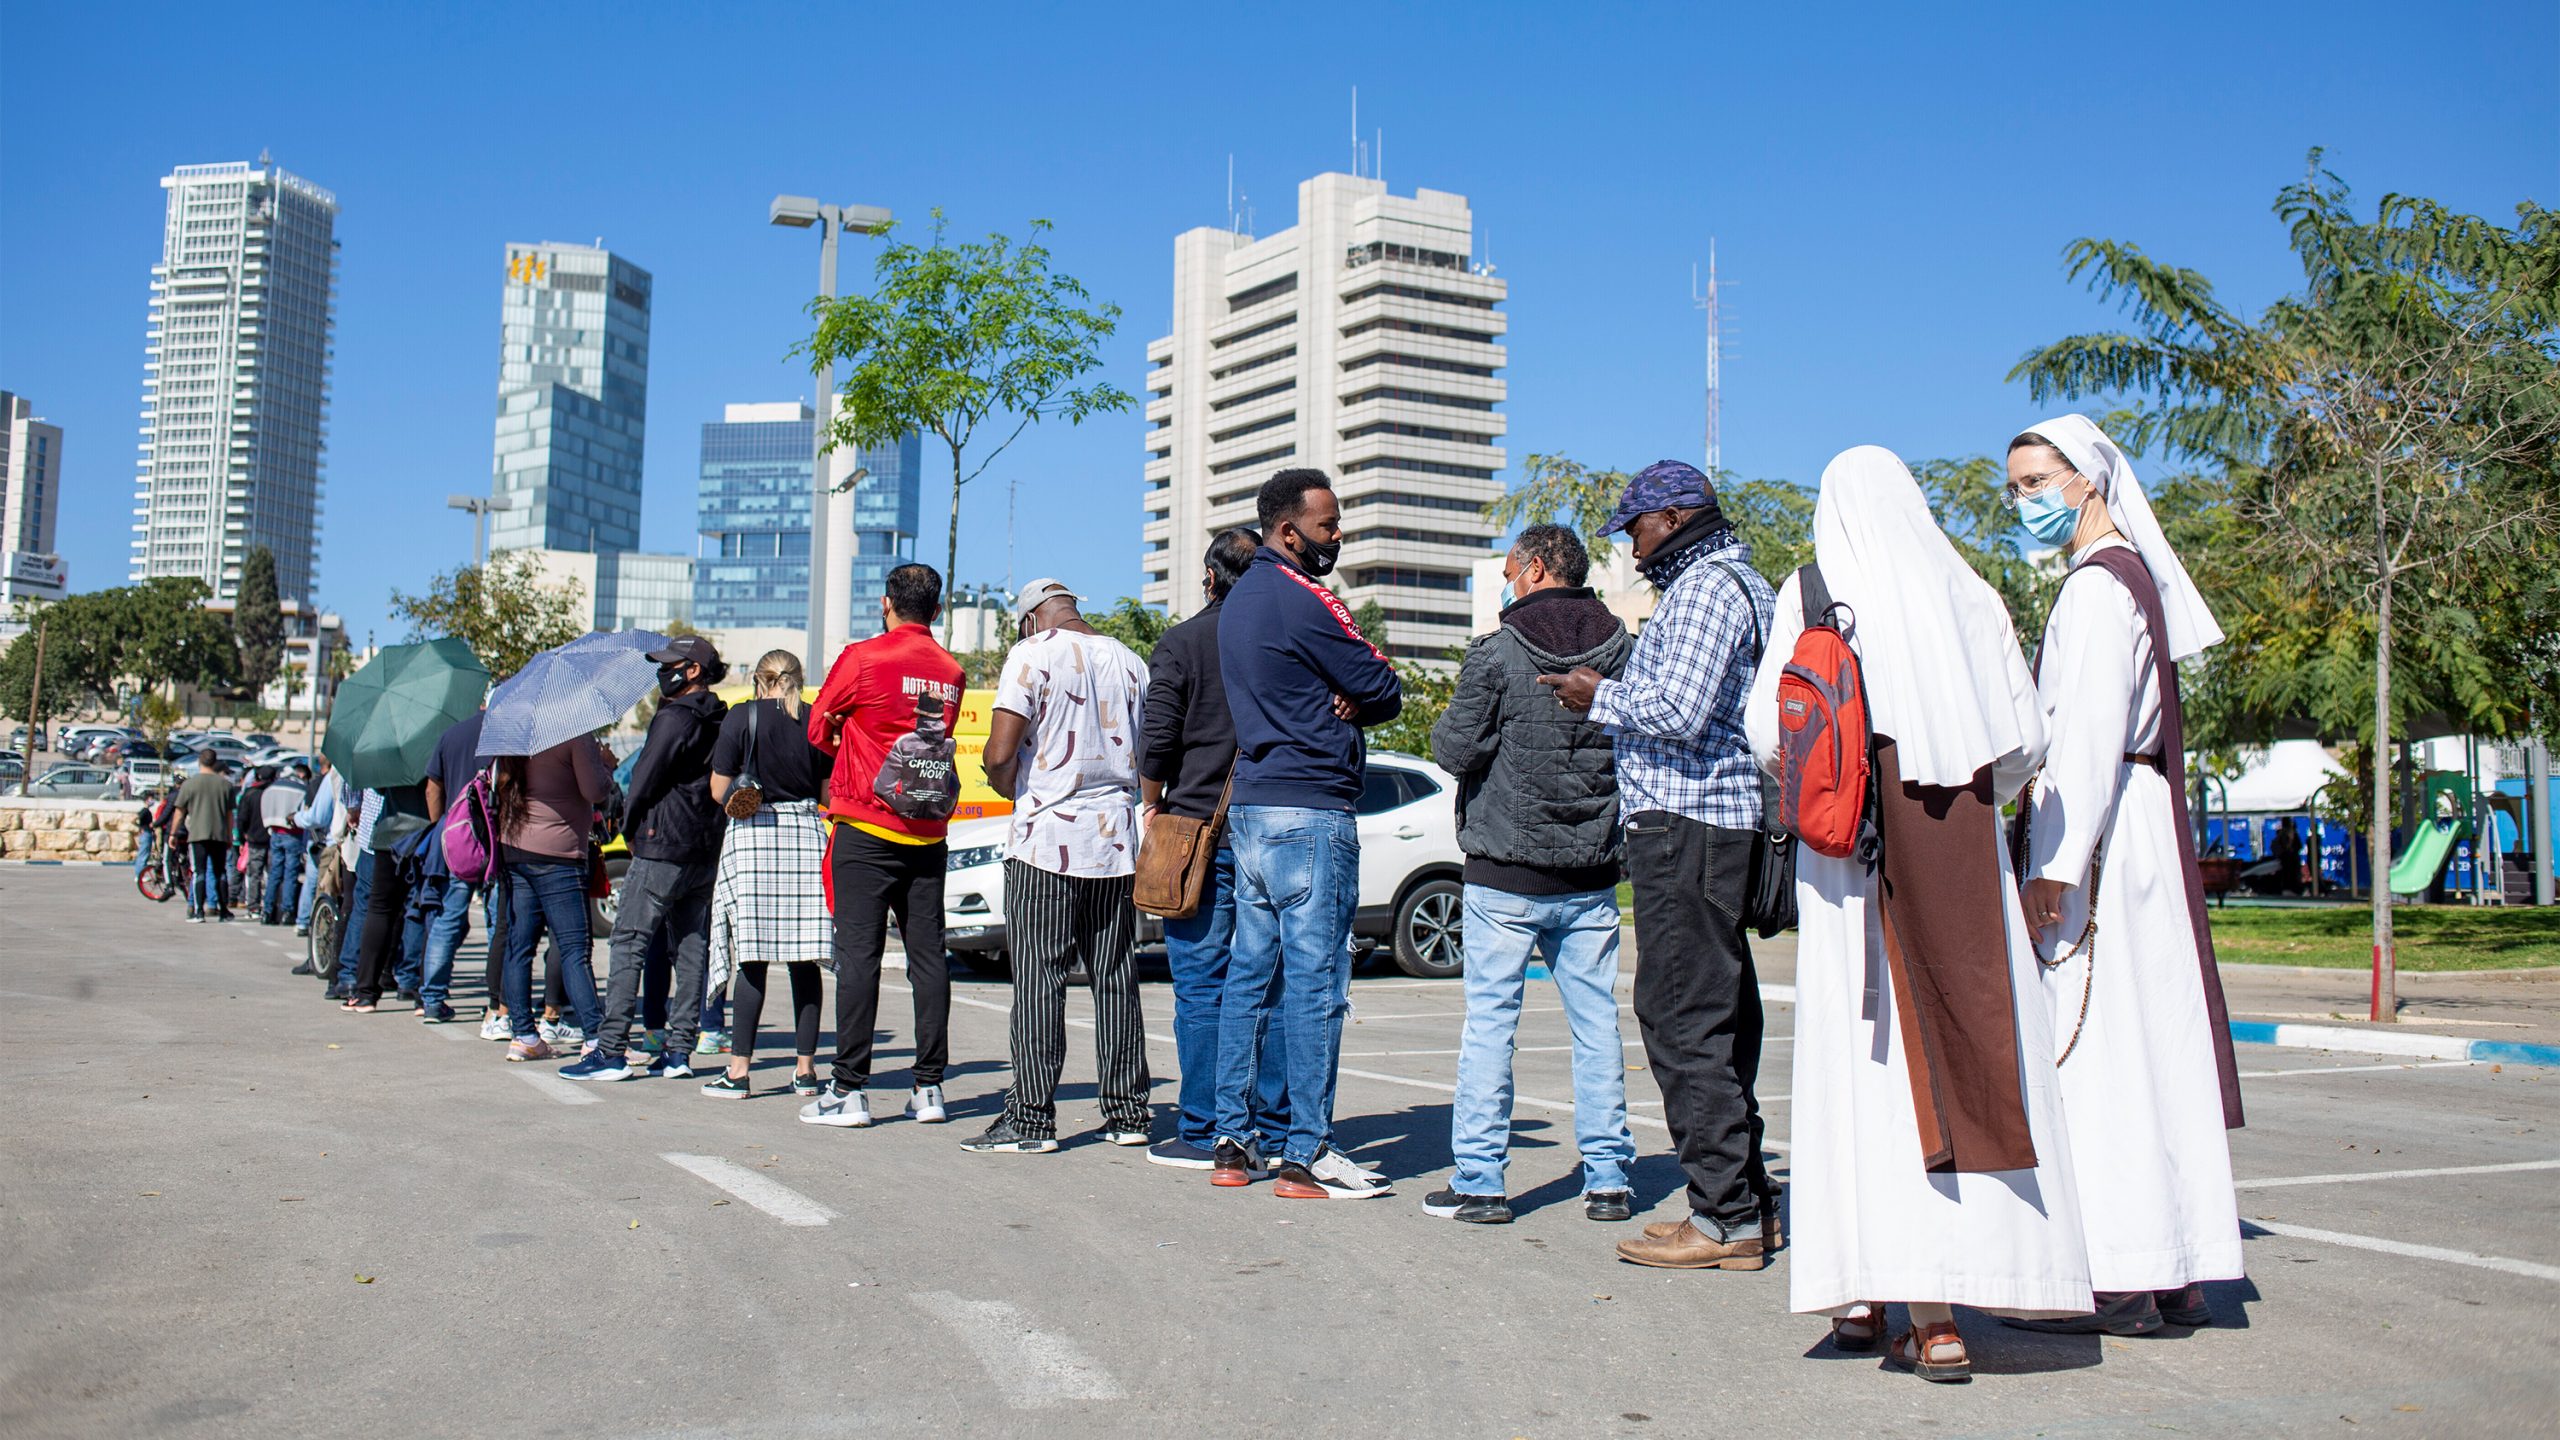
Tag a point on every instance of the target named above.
point(573, 397)
point(235, 393)
point(30, 497)
point(1364, 341)
point(752, 566)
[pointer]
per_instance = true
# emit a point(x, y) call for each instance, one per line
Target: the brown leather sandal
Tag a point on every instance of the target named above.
point(1858, 1334)
point(1922, 1349)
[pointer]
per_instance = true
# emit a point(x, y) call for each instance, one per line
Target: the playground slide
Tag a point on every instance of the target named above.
point(2423, 860)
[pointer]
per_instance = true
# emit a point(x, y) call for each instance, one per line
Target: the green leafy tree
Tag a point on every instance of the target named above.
point(150, 635)
point(960, 338)
point(1133, 623)
point(1427, 692)
point(504, 611)
point(257, 622)
point(2387, 437)
point(1774, 517)
point(1371, 618)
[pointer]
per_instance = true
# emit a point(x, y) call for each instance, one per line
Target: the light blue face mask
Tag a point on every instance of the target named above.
point(2048, 516)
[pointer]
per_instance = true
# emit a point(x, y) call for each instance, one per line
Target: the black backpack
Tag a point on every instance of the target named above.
point(920, 779)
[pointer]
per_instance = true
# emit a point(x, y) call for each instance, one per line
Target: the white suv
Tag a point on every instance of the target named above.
point(1410, 897)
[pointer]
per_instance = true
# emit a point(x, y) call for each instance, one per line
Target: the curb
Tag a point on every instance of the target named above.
point(2383, 1042)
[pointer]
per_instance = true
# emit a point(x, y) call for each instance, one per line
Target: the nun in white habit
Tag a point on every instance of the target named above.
point(2149, 1083)
point(1890, 1201)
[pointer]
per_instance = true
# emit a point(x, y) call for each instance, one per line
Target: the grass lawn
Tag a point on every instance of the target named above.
point(2427, 937)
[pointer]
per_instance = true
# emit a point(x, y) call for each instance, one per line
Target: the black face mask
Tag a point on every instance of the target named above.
point(1318, 557)
point(672, 681)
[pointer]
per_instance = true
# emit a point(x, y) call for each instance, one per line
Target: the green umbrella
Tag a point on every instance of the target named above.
point(387, 717)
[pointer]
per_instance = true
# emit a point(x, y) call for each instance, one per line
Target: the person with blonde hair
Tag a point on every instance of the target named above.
point(1931, 1165)
point(768, 906)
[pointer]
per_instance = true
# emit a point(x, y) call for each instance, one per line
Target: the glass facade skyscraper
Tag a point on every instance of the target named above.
point(235, 395)
point(573, 397)
point(752, 567)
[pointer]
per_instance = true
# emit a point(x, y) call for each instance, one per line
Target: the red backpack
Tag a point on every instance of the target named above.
point(1824, 776)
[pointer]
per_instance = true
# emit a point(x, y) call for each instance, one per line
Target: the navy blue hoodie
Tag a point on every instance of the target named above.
point(1286, 647)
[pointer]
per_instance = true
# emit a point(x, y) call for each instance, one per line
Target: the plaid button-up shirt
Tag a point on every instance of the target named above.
point(1676, 709)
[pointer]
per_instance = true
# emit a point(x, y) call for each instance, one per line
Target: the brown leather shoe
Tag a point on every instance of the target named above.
point(1773, 1230)
point(1687, 1248)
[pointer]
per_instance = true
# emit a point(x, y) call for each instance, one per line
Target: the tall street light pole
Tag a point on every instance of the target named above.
point(479, 506)
point(831, 221)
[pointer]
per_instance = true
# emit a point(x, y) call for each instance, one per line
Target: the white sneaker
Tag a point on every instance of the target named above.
point(836, 1107)
point(553, 1033)
point(925, 1105)
point(1330, 1176)
point(494, 1026)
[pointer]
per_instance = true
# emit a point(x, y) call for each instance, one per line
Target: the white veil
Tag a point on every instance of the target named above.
point(1935, 645)
point(2191, 624)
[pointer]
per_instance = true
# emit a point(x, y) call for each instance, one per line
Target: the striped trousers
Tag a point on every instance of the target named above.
point(1051, 922)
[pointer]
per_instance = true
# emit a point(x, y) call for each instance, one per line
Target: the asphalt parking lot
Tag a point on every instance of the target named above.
point(227, 1208)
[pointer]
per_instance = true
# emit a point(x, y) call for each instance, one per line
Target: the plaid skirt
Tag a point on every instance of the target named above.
point(768, 906)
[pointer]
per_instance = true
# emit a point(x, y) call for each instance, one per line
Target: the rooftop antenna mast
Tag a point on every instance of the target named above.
point(1711, 302)
point(1356, 167)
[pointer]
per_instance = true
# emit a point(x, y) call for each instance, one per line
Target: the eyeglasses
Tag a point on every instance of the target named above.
point(2016, 488)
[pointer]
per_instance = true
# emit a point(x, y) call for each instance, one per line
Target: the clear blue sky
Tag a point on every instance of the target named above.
point(1891, 185)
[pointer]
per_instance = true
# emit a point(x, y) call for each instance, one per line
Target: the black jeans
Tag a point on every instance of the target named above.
point(874, 880)
point(386, 915)
point(1697, 1002)
point(669, 900)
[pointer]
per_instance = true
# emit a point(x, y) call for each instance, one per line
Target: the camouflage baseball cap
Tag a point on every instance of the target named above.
point(1661, 485)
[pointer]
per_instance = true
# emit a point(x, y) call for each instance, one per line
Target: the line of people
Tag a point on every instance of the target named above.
point(1982, 1115)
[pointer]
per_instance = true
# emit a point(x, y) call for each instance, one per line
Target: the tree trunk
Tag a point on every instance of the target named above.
point(951, 551)
point(2386, 985)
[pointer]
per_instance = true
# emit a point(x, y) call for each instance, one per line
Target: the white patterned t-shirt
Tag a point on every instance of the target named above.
point(1075, 799)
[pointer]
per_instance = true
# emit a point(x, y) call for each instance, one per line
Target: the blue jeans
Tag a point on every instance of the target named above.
point(1196, 946)
point(352, 919)
point(284, 874)
point(1577, 935)
point(448, 912)
point(142, 852)
point(549, 895)
point(1297, 881)
point(310, 880)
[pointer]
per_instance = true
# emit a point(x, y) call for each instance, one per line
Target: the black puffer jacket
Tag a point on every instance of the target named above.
point(1537, 783)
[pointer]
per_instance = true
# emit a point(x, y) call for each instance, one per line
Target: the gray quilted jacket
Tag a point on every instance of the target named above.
point(1537, 783)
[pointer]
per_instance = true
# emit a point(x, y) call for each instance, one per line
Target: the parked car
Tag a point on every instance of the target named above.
point(12, 765)
point(261, 741)
point(84, 740)
point(74, 782)
point(1411, 901)
point(140, 775)
point(229, 747)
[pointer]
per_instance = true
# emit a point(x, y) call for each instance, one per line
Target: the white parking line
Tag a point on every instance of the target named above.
point(2359, 1069)
point(2527, 1268)
point(1033, 1367)
point(2284, 1180)
point(567, 1092)
point(762, 1191)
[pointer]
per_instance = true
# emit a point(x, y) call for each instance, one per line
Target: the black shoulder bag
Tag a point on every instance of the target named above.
point(1769, 906)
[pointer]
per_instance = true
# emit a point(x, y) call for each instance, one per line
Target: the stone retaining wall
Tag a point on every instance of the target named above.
point(32, 829)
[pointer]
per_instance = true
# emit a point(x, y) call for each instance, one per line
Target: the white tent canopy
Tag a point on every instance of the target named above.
point(2281, 780)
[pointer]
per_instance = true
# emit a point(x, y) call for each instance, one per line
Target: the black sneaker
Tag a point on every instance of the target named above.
point(807, 1084)
point(334, 992)
point(303, 969)
point(1471, 1209)
point(1233, 1163)
point(441, 1015)
point(1002, 1138)
point(1610, 1205)
point(729, 1087)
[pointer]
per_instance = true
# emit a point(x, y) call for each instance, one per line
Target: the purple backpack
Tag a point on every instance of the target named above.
point(470, 835)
